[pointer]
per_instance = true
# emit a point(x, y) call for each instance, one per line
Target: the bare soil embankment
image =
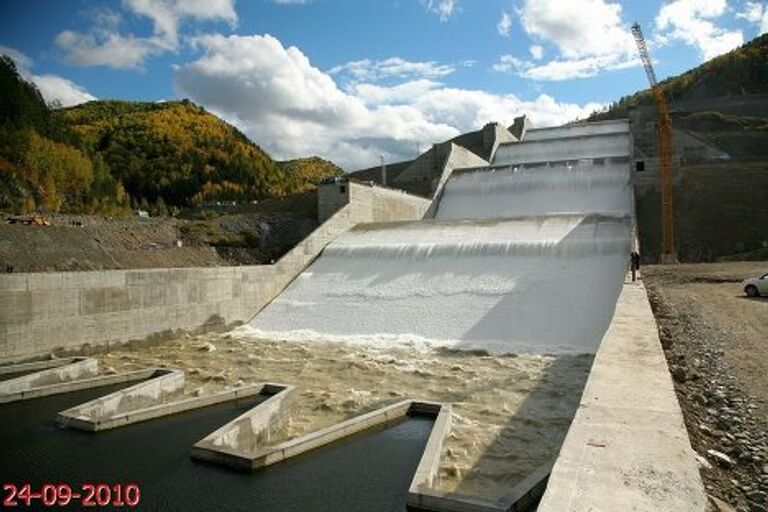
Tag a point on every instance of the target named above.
point(80, 242)
point(716, 343)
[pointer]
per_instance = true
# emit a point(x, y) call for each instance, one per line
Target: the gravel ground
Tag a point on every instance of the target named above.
point(716, 343)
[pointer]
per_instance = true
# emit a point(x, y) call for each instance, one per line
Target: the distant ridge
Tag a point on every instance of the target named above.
point(743, 71)
point(112, 156)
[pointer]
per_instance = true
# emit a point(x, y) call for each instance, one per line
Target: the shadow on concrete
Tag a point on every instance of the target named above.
point(534, 435)
point(578, 313)
point(569, 301)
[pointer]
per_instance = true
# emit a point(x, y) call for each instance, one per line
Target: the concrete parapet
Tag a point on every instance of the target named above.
point(94, 423)
point(232, 444)
point(520, 499)
point(429, 464)
point(76, 385)
point(237, 443)
point(35, 366)
point(421, 495)
point(116, 408)
point(77, 368)
point(627, 447)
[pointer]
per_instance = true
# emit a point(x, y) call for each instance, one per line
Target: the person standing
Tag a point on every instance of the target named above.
point(634, 261)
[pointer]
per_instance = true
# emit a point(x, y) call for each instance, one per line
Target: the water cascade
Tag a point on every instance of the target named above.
point(518, 259)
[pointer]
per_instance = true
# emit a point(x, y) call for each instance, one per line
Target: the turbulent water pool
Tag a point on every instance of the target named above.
point(511, 413)
point(154, 456)
point(496, 306)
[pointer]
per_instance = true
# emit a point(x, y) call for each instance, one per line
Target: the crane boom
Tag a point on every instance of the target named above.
point(665, 151)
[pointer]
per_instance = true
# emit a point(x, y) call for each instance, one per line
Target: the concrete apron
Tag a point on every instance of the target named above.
point(233, 445)
point(35, 366)
point(237, 445)
point(140, 402)
point(521, 498)
point(627, 447)
point(74, 374)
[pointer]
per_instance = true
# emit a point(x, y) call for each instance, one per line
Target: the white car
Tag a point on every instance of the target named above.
point(756, 286)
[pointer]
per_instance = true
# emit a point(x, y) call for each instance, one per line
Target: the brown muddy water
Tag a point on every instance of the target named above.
point(511, 413)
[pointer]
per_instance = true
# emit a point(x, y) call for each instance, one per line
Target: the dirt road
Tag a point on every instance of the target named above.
point(716, 343)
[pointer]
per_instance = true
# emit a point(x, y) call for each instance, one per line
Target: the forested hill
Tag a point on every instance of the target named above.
point(738, 72)
point(109, 156)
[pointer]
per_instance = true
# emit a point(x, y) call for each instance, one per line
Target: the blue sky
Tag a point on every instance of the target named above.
point(353, 79)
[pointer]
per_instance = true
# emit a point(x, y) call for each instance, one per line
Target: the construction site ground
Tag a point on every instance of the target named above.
point(716, 343)
point(89, 242)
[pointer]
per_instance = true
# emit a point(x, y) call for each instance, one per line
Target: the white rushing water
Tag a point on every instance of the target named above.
point(539, 285)
point(512, 192)
point(518, 260)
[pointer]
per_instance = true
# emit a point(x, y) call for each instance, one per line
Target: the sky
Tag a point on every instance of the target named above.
point(354, 80)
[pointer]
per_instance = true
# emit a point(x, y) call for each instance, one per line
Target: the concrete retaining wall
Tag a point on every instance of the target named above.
point(627, 447)
point(40, 312)
point(370, 203)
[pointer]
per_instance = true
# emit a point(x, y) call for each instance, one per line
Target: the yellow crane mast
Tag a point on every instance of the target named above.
point(665, 152)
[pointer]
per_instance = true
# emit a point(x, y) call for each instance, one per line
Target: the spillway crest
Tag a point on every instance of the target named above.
point(519, 259)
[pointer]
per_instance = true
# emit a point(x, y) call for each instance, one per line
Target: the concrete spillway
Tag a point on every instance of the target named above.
point(512, 191)
point(518, 259)
point(504, 286)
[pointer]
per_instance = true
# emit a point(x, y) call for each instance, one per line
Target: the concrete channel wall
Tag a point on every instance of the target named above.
point(41, 312)
point(627, 447)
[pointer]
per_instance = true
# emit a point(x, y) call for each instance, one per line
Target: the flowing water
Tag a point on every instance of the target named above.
point(543, 190)
point(520, 282)
point(497, 306)
point(510, 412)
point(154, 455)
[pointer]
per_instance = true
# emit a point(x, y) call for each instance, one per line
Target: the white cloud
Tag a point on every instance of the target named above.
point(510, 63)
point(54, 88)
point(590, 37)
point(373, 94)
point(104, 45)
point(471, 109)
point(375, 70)
point(62, 91)
point(21, 60)
point(755, 12)
point(505, 24)
point(565, 69)
point(579, 28)
point(167, 14)
point(690, 21)
point(443, 8)
point(276, 96)
point(112, 50)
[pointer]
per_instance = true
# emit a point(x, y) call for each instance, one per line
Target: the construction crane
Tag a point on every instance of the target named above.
point(665, 152)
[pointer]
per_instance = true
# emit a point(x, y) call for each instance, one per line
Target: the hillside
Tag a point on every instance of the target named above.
point(743, 71)
point(310, 170)
point(719, 114)
point(110, 156)
point(178, 151)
